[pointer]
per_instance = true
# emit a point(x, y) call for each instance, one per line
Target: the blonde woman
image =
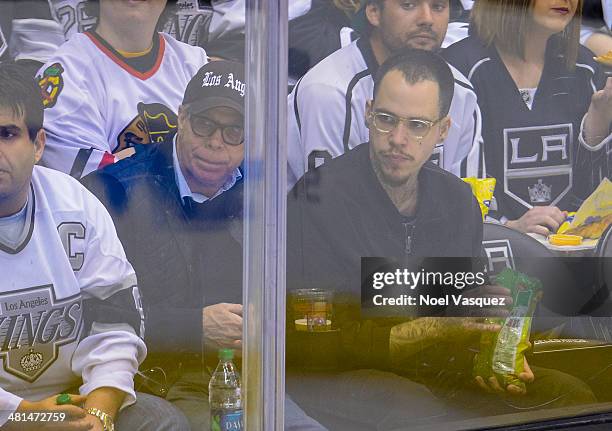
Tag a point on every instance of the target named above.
point(535, 84)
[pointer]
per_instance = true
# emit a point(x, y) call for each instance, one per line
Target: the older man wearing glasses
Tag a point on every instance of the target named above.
point(177, 207)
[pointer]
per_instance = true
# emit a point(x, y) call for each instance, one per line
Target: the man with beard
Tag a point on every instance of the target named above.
point(327, 106)
point(385, 199)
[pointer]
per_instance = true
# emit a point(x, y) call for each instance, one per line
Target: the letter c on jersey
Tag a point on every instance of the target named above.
point(68, 232)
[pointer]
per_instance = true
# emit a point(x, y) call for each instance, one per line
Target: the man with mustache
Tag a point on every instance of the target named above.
point(65, 278)
point(177, 207)
point(385, 199)
point(326, 107)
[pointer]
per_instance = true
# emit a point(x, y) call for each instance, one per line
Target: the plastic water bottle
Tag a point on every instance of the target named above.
point(224, 395)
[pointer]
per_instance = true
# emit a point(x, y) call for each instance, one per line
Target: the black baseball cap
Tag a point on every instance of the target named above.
point(217, 84)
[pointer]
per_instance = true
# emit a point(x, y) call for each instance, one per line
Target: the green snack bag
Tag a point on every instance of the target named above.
point(502, 354)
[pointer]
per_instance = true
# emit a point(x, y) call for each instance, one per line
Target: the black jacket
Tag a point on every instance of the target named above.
point(339, 212)
point(186, 255)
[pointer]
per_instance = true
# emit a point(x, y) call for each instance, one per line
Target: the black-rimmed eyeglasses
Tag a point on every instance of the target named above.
point(205, 127)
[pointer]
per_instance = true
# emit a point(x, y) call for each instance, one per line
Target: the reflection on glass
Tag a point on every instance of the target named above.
point(377, 211)
point(126, 290)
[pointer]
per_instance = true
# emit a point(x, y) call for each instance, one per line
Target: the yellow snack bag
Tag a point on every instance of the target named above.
point(594, 214)
point(483, 189)
point(567, 223)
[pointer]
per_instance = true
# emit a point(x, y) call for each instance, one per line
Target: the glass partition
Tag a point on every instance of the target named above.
point(449, 182)
point(380, 214)
point(265, 202)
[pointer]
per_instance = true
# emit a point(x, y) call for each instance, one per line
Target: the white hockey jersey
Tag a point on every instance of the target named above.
point(326, 115)
point(97, 104)
point(229, 15)
point(28, 31)
point(69, 305)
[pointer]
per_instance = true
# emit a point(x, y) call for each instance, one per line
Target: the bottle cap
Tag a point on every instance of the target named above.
point(226, 354)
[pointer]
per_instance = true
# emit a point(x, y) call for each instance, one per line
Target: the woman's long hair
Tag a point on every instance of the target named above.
point(504, 23)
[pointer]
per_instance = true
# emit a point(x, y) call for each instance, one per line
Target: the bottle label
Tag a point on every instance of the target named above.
point(223, 420)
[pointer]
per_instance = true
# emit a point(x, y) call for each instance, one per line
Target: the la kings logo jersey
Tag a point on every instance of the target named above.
point(34, 325)
point(538, 163)
point(60, 263)
point(533, 152)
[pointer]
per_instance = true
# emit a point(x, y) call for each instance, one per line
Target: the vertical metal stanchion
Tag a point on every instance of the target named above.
point(265, 213)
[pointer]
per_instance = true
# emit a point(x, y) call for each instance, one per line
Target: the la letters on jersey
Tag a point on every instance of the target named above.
point(33, 325)
point(538, 163)
point(51, 83)
point(154, 123)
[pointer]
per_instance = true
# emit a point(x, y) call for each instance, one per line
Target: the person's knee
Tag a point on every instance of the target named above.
point(151, 413)
point(563, 389)
point(296, 419)
point(574, 390)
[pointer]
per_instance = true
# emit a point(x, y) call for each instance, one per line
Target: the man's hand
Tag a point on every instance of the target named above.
point(222, 325)
point(409, 338)
point(75, 419)
point(542, 220)
point(493, 386)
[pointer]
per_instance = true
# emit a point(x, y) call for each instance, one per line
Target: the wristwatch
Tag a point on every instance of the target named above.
point(106, 420)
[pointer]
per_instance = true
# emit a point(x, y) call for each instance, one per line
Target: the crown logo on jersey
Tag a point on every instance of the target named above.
point(32, 361)
point(540, 193)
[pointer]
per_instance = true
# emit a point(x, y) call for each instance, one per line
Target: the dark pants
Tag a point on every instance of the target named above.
point(190, 395)
point(377, 400)
point(151, 413)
